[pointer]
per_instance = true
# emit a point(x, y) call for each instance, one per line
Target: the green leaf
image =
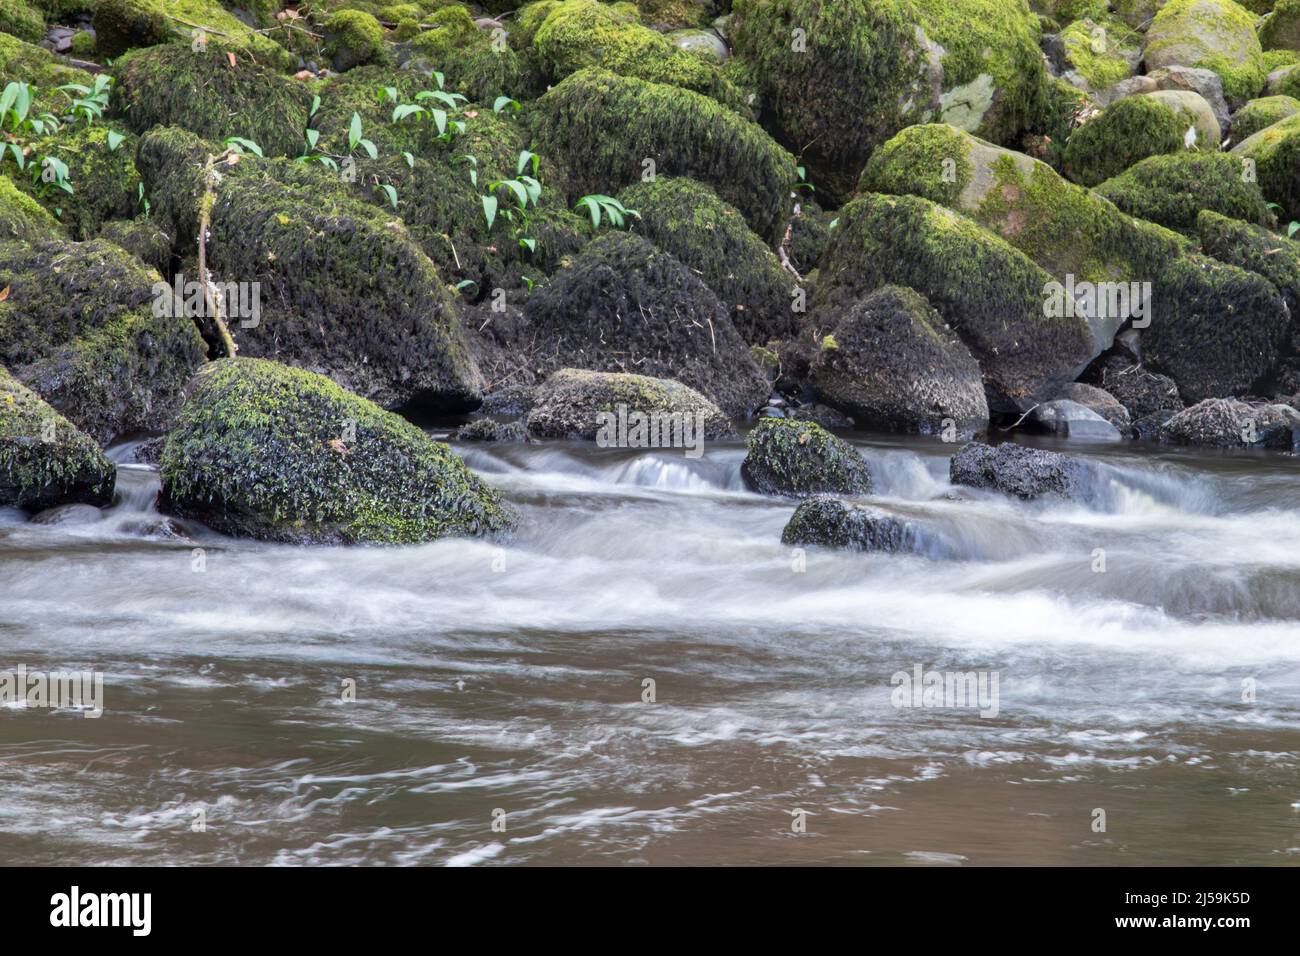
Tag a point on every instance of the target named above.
point(315, 105)
point(403, 111)
point(529, 244)
point(1292, 229)
point(370, 149)
point(490, 209)
point(114, 140)
point(440, 121)
point(313, 136)
point(390, 192)
point(593, 208)
point(354, 131)
point(410, 160)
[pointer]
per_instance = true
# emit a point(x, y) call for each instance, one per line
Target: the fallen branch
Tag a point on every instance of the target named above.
point(205, 218)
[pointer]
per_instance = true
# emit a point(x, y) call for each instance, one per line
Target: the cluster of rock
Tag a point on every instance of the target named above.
point(1071, 218)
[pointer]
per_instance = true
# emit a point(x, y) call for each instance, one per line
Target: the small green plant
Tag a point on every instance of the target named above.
point(526, 191)
point(355, 138)
point(436, 105)
point(506, 102)
point(89, 102)
point(240, 145)
point(608, 207)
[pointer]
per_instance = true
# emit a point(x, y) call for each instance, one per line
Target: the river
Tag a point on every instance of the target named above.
point(1146, 650)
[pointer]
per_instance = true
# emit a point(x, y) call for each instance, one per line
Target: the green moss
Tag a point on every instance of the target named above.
point(82, 44)
point(1281, 30)
point(604, 127)
point(25, 63)
point(1257, 249)
point(709, 236)
point(143, 238)
point(931, 160)
point(266, 451)
point(799, 459)
point(21, 19)
point(1095, 49)
point(1124, 133)
point(1275, 151)
point(353, 38)
point(528, 21)
point(121, 25)
point(453, 29)
point(482, 73)
point(172, 85)
point(674, 13)
point(105, 183)
point(1172, 190)
point(44, 459)
point(1261, 113)
point(22, 217)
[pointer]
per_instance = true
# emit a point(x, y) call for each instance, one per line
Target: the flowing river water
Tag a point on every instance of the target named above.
point(499, 713)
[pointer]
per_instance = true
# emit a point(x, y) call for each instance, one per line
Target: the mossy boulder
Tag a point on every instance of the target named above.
point(1099, 53)
point(104, 179)
point(799, 459)
point(1026, 473)
point(709, 236)
point(22, 217)
point(1141, 391)
point(1259, 250)
point(1172, 190)
point(1275, 151)
point(893, 364)
point(607, 129)
point(1215, 34)
point(578, 34)
point(1216, 329)
point(575, 403)
point(452, 28)
point(121, 25)
point(143, 238)
point(172, 85)
point(841, 77)
point(44, 460)
point(624, 304)
point(1228, 423)
point(677, 13)
point(1129, 131)
point(21, 19)
point(482, 72)
point(991, 294)
point(343, 287)
point(26, 63)
point(833, 523)
point(1280, 30)
point(265, 451)
point(353, 38)
point(81, 325)
point(1261, 113)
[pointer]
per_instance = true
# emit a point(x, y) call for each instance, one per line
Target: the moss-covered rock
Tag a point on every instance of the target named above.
point(894, 365)
point(987, 291)
point(1261, 113)
point(832, 523)
point(104, 180)
point(25, 63)
point(1027, 473)
point(622, 305)
point(1259, 250)
point(841, 77)
point(676, 13)
point(1275, 151)
point(798, 459)
point(452, 28)
point(1099, 53)
point(22, 217)
point(578, 34)
point(1172, 190)
point(174, 86)
point(483, 71)
point(121, 25)
point(344, 289)
point(21, 19)
point(606, 128)
point(353, 38)
point(81, 327)
point(1141, 391)
point(1216, 34)
point(1227, 423)
point(44, 460)
point(574, 403)
point(1216, 329)
point(143, 238)
point(687, 220)
point(1280, 30)
point(265, 451)
point(1126, 133)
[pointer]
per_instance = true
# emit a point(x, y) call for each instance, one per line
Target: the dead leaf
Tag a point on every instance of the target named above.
point(4, 293)
point(304, 75)
point(338, 446)
point(231, 57)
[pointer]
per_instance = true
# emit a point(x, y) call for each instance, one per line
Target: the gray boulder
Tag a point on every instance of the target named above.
point(1228, 423)
point(832, 523)
point(800, 459)
point(1026, 473)
point(1069, 419)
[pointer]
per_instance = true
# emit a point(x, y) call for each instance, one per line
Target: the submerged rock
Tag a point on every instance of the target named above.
point(798, 459)
point(832, 523)
point(265, 451)
point(651, 412)
point(1227, 423)
point(44, 459)
point(892, 363)
point(623, 304)
point(1026, 473)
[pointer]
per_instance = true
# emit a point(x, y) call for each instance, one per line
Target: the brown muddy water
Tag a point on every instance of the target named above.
point(503, 684)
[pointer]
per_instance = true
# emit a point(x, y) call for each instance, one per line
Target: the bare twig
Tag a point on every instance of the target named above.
point(205, 218)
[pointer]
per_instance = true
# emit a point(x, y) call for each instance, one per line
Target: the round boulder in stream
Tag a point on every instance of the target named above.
point(634, 411)
point(833, 523)
point(265, 451)
point(1026, 473)
point(790, 457)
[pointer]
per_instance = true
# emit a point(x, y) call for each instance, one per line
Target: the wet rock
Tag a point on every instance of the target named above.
point(1026, 473)
point(832, 523)
point(894, 364)
point(1070, 419)
point(798, 459)
point(44, 460)
point(625, 304)
point(266, 451)
point(823, 415)
point(703, 42)
point(1141, 391)
point(1097, 400)
point(1228, 423)
point(148, 452)
point(624, 410)
point(491, 430)
point(72, 515)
